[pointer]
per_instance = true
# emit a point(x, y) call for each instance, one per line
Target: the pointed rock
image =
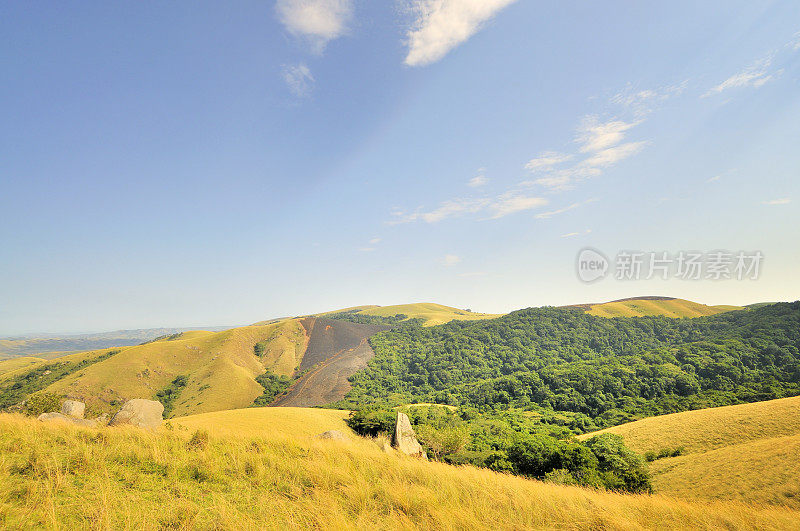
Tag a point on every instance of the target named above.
point(405, 440)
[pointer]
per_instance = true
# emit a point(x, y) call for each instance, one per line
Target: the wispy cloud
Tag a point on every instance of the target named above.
point(795, 42)
point(449, 260)
point(714, 179)
point(595, 135)
point(781, 201)
point(496, 207)
point(478, 180)
point(573, 234)
point(513, 202)
point(642, 102)
point(611, 156)
point(600, 144)
point(755, 75)
point(317, 21)
point(299, 79)
point(573, 206)
point(546, 161)
point(371, 247)
point(441, 25)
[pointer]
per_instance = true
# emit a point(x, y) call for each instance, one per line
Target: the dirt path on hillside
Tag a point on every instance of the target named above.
point(336, 350)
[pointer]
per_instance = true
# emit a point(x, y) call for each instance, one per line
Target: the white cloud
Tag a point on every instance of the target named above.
point(714, 179)
point(375, 241)
point(441, 25)
point(613, 155)
point(511, 203)
point(782, 201)
point(546, 161)
point(573, 234)
point(450, 260)
point(319, 21)
point(643, 102)
point(596, 136)
point(565, 179)
point(795, 44)
point(299, 79)
point(447, 209)
point(756, 75)
point(601, 142)
point(495, 207)
point(478, 180)
point(546, 215)
point(573, 206)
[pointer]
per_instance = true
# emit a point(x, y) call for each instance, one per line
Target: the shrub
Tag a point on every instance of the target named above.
point(198, 441)
point(372, 422)
point(40, 403)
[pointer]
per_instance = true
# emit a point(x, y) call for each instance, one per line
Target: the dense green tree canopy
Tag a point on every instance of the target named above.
point(610, 370)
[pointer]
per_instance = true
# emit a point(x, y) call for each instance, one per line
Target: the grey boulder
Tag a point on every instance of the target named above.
point(73, 408)
point(140, 413)
point(405, 440)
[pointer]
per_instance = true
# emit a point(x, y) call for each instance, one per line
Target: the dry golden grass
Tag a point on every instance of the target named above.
point(433, 314)
point(252, 422)
point(13, 366)
point(748, 452)
point(668, 308)
point(760, 471)
point(708, 429)
point(221, 368)
point(60, 476)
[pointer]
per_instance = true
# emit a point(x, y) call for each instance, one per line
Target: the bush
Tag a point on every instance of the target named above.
point(273, 385)
point(443, 443)
point(199, 440)
point(620, 468)
point(40, 403)
point(372, 422)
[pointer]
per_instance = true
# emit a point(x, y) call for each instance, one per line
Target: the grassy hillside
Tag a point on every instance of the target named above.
point(748, 452)
point(640, 307)
point(13, 365)
point(253, 422)
point(432, 314)
point(68, 477)
point(59, 345)
point(220, 368)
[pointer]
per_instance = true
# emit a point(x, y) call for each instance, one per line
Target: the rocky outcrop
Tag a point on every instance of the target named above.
point(60, 417)
point(73, 408)
point(405, 440)
point(334, 435)
point(140, 413)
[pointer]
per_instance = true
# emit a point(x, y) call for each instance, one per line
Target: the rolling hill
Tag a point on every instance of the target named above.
point(267, 476)
point(651, 306)
point(747, 452)
point(432, 314)
point(54, 346)
point(202, 371)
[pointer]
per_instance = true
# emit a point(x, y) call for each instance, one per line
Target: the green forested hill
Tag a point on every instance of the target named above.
point(611, 370)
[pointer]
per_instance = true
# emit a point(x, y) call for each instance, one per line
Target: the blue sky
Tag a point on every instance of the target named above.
point(177, 165)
